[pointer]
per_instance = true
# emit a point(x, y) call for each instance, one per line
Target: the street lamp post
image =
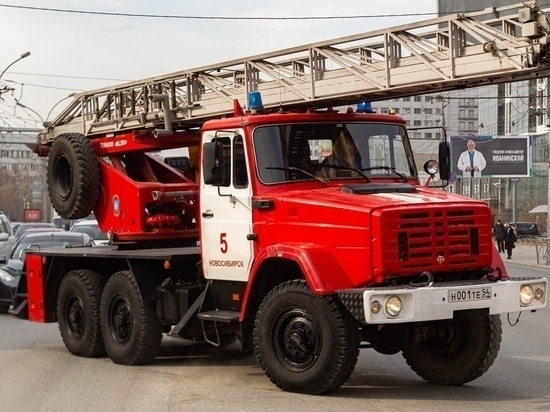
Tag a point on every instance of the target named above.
point(26, 54)
point(30, 110)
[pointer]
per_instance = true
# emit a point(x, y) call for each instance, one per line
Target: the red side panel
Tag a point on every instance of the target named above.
point(35, 288)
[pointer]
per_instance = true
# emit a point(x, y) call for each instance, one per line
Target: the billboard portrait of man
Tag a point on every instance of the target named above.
point(471, 162)
point(491, 156)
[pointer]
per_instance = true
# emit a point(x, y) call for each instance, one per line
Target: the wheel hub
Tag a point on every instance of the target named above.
point(75, 317)
point(121, 321)
point(299, 340)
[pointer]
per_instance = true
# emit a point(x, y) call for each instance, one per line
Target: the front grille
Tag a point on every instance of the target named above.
point(434, 239)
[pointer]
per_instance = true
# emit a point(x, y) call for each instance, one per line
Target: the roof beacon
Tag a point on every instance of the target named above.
point(364, 107)
point(255, 101)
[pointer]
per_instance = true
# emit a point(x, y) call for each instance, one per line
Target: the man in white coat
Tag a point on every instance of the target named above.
point(471, 162)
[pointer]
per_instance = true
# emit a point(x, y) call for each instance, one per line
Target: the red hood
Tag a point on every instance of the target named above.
point(379, 230)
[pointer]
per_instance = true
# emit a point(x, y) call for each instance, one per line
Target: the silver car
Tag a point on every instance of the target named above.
point(7, 239)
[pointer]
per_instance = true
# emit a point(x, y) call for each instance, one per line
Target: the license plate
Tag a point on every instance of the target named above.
point(463, 295)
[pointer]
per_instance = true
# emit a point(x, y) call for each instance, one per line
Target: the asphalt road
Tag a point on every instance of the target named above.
point(39, 374)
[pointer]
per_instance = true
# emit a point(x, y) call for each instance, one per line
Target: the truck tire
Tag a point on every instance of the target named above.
point(131, 330)
point(458, 350)
point(303, 342)
point(73, 176)
point(78, 303)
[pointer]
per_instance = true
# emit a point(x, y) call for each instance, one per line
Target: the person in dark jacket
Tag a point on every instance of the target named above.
point(500, 233)
point(510, 240)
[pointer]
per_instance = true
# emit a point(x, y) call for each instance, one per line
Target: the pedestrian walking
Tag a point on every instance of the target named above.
point(499, 232)
point(510, 239)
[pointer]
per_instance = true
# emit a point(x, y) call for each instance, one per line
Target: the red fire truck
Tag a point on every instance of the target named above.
point(302, 229)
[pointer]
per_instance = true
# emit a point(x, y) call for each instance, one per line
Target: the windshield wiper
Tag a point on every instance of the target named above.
point(389, 169)
point(350, 168)
point(297, 169)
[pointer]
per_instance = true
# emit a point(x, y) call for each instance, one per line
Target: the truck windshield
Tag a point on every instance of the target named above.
point(331, 151)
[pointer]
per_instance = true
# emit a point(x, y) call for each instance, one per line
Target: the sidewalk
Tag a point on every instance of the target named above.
point(526, 255)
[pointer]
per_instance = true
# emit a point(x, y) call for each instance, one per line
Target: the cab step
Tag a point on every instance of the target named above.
point(225, 316)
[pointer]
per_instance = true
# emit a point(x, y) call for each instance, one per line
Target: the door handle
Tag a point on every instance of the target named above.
point(207, 214)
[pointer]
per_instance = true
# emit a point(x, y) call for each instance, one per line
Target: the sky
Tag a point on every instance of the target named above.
point(75, 52)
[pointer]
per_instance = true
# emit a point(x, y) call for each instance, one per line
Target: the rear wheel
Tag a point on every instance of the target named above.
point(458, 350)
point(73, 176)
point(78, 304)
point(303, 342)
point(131, 330)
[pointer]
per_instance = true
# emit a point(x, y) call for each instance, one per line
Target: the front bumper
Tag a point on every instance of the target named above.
point(441, 299)
point(6, 294)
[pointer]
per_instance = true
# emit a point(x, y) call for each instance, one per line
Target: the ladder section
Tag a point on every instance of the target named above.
point(446, 53)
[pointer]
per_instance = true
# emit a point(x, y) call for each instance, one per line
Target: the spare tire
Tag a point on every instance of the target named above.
point(73, 176)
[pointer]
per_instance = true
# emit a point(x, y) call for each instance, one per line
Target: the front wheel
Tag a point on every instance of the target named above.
point(303, 342)
point(131, 330)
point(457, 350)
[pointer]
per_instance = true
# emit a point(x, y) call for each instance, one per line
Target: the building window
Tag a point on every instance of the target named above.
point(418, 122)
point(417, 98)
point(417, 110)
point(428, 135)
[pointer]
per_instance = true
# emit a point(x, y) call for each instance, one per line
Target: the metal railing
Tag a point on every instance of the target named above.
point(542, 248)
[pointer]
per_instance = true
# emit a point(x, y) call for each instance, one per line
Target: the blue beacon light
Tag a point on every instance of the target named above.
point(255, 101)
point(364, 107)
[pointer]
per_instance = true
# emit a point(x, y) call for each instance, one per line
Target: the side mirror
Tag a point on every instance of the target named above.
point(4, 237)
point(212, 163)
point(444, 161)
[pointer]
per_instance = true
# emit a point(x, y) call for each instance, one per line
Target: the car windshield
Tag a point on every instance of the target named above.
point(332, 150)
point(24, 227)
point(46, 241)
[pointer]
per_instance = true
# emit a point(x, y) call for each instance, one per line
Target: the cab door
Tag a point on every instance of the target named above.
point(226, 211)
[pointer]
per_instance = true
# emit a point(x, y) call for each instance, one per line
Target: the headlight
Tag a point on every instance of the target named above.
point(526, 295)
point(6, 277)
point(394, 306)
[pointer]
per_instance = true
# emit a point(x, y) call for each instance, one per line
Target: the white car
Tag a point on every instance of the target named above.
point(91, 228)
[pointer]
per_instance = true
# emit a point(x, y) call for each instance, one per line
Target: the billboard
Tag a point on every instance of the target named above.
point(32, 215)
point(488, 156)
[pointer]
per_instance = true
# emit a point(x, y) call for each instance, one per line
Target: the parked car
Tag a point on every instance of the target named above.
point(524, 229)
point(91, 228)
point(61, 223)
point(10, 272)
point(14, 226)
point(7, 238)
point(30, 225)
